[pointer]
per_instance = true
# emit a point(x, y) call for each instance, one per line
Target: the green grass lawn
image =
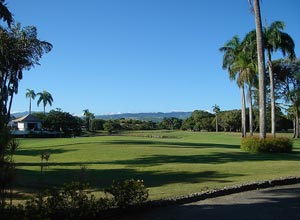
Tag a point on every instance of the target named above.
point(170, 163)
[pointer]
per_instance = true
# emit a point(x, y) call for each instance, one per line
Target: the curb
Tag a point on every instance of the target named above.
point(217, 192)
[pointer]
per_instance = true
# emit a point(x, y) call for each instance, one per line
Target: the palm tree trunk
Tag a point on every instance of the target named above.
point(296, 135)
point(217, 123)
point(273, 110)
point(250, 111)
point(261, 70)
point(243, 112)
point(294, 127)
point(29, 105)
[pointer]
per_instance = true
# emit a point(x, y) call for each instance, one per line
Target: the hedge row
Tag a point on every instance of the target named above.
point(267, 145)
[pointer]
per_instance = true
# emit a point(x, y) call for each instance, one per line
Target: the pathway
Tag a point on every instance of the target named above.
point(272, 203)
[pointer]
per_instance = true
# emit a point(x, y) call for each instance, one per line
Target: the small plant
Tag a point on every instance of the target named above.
point(82, 177)
point(267, 145)
point(128, 192)
point(45, 156)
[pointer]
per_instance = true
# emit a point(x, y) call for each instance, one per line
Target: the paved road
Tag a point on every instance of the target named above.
point(269, 204)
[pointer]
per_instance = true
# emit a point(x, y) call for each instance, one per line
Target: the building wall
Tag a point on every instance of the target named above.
point(21, 126)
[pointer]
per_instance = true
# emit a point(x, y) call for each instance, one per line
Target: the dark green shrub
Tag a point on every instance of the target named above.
point(70, 202)
point(267, 145)
point(128, 192)
point(73, 201)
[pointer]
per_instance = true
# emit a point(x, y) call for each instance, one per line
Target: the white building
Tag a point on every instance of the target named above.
point(26, 124)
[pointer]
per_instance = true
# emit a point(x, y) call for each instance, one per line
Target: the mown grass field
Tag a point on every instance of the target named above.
point(170, 163)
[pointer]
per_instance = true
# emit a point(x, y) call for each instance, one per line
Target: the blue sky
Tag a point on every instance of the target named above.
point(113, 56)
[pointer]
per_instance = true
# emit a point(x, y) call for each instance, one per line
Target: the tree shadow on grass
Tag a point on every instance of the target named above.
point(102, 178)
point(162, 159)
point(213, 158)
point(37, 152)
point(179, 144)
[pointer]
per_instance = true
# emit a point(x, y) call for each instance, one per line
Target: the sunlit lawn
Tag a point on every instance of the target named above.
point(170, 163)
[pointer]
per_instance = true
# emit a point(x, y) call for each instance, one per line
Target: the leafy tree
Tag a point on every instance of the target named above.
point(171, 123)
point(46, 98)
point(111, 126)
point(97, 124)
point(287, 77)
point(132, 124)
point(275, 39)
point(20, 49)
point(199, 114)
point(57, 120)
point(31, 95)
point(230, 120)
point(199, 120)
point(188, 124)
point(205, 124)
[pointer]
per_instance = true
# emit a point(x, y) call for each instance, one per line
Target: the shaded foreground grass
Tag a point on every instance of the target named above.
point(170, 163)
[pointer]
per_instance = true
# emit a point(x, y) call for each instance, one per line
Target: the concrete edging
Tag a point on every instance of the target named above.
point(219, 192)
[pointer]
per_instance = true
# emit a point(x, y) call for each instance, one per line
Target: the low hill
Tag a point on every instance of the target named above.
point(155, 116)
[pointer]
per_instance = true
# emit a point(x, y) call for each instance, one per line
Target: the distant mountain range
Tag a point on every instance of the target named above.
point(153, 116)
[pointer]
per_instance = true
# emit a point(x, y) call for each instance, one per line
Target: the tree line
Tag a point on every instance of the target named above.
point(226, 121)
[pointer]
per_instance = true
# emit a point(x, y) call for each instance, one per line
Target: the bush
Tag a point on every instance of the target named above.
point(70, 202)
point(73, 201)
point(267, 145)
point(129, 192)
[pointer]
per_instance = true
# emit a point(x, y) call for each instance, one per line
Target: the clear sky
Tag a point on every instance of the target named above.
point(113, 56)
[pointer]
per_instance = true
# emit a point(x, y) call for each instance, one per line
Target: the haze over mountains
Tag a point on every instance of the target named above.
point(151, 116)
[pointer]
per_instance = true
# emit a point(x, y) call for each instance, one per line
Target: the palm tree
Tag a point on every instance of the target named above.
point(248, 64)
point(261, 68)
point(216, 110)
point(232, 51)
point(46, 98)
point(88, 118)
point(5, 14)
point(31, 95)
point(275, 39)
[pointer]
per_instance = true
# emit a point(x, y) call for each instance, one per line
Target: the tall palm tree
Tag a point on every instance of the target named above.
point(31, 95)
point(247, 75)
point(232, 50)
point(275, 39)
point(261, 68)
point(46, 98)
point(5, 14)
point(216, 110)
point(249, 65)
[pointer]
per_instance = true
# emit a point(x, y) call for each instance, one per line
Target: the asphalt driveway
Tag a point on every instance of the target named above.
point(272, 203)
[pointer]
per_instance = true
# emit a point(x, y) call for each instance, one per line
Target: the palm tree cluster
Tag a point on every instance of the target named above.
point(240, 59)
point(44, 97)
